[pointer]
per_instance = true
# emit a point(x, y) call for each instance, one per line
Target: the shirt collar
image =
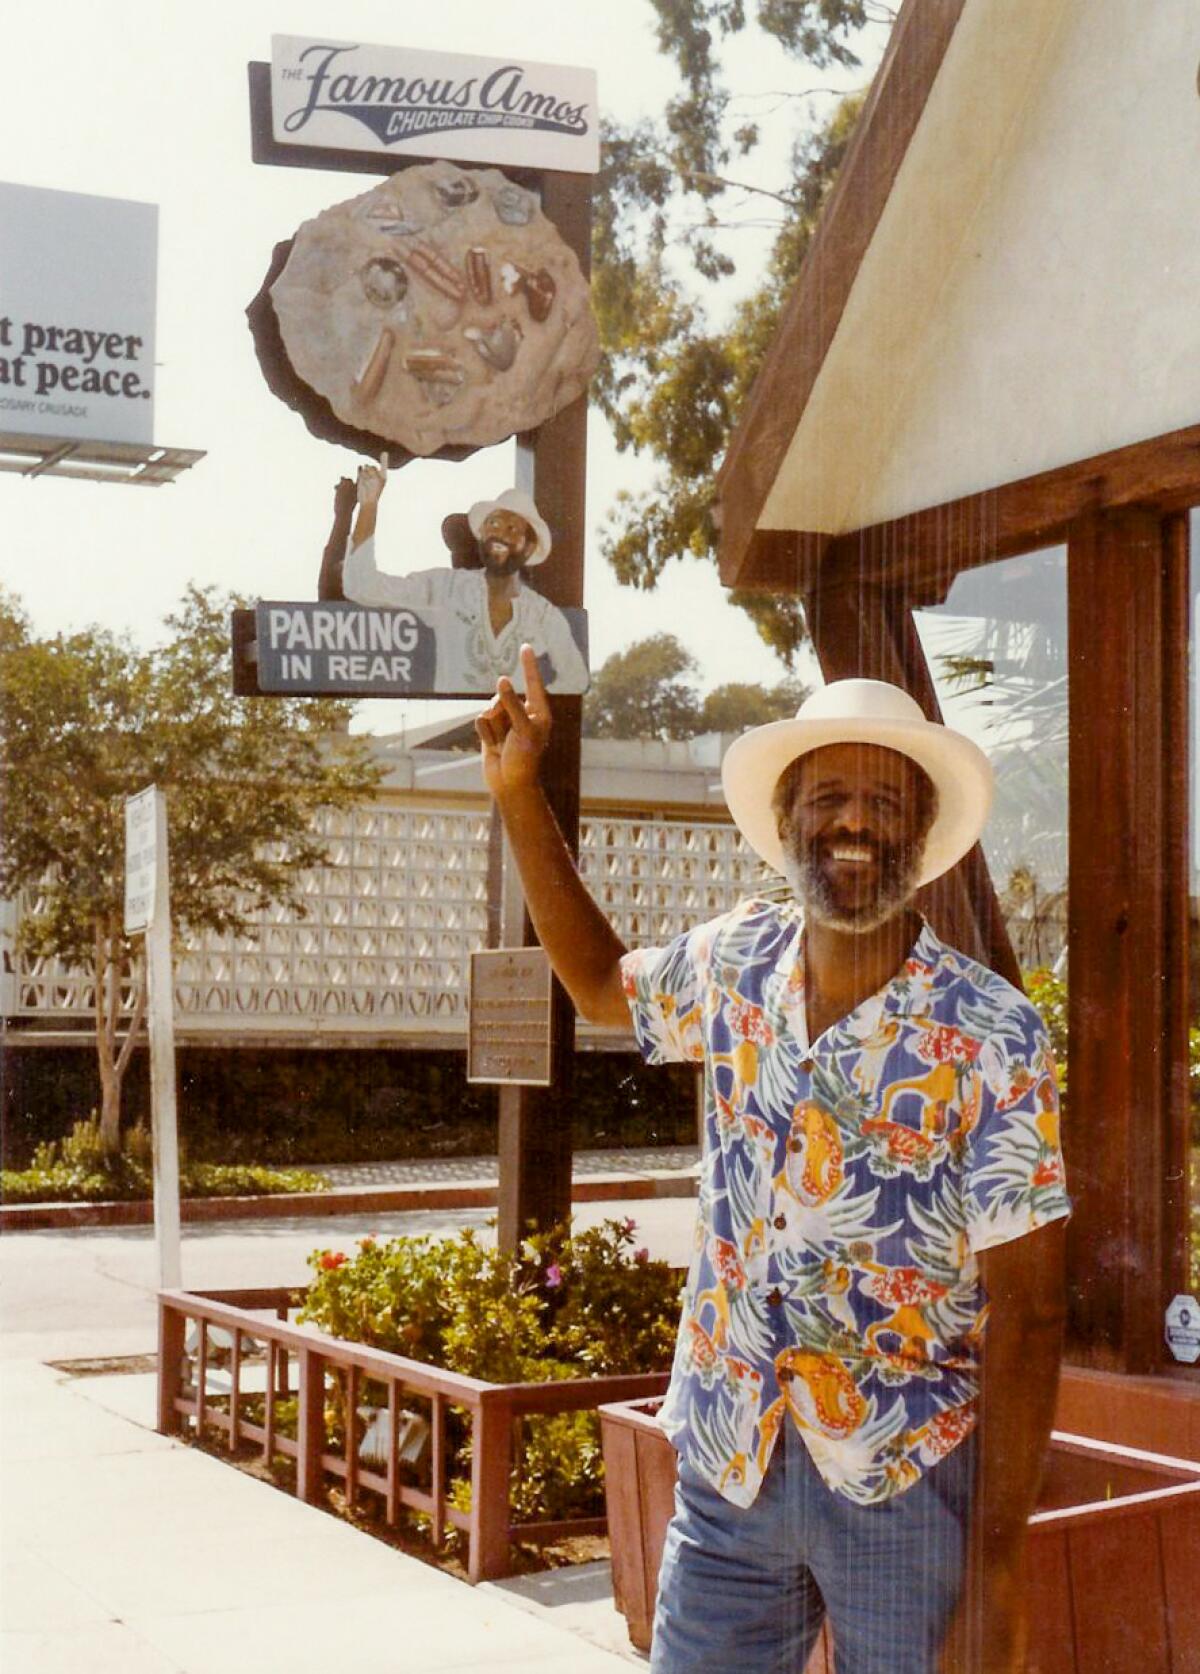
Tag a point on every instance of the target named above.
point(904, 993)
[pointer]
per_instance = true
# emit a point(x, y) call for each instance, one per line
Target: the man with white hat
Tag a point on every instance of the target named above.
point(487, 611)
point(881, 1177)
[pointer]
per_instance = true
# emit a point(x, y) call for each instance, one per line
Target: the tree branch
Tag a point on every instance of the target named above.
point(113, 977)
point(786, 93)
point(706, 179)
point(135, 1021)
point(98, 989)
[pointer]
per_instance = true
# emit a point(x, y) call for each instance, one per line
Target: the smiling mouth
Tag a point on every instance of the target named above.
point(851, 854)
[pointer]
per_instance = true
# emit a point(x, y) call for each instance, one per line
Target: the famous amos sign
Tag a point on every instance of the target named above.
point(348, 96)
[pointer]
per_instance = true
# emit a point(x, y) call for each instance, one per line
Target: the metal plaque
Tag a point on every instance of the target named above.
point(508, 1035)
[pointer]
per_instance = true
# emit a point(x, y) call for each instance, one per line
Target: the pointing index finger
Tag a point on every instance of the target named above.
point(535, 691)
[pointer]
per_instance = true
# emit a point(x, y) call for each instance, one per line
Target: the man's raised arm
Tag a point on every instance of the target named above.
point(583, 947)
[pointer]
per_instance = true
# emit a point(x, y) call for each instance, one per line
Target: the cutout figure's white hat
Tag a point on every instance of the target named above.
point(514, 500)
point(862, 712)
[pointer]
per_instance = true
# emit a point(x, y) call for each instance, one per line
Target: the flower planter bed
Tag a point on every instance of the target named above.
point(1114, 1557)
point(190, 1388)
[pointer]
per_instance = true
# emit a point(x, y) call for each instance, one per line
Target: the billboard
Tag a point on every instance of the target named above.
point(78, 280)
point(348, 96)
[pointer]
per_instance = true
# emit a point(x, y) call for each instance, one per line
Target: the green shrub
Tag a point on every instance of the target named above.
point(77, 1169)
point(563, 1307)
point(1049, 994)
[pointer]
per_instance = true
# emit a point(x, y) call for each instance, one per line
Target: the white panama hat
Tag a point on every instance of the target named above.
point(514, 500)
point(862, 712)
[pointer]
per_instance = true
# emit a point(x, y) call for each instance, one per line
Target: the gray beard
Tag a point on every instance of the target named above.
point(898, 883)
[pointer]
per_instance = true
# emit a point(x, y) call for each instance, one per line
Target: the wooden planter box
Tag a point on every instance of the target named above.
point(1114, 1550)
point(236, 1331)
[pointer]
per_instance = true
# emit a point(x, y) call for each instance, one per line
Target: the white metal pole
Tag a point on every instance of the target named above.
point(161, 1012)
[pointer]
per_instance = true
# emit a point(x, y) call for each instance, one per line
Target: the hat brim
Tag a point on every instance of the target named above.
point(961, 774)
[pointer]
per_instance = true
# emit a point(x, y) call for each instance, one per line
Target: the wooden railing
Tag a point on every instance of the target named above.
point(253, 1317)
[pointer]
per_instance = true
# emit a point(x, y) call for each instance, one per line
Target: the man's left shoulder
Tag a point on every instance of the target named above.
point(989, 1001)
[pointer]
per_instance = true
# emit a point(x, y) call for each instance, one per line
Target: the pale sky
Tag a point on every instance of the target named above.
point(149, 102)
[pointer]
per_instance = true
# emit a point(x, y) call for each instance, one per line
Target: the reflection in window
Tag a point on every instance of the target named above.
point(1194, 752)
point(1194, 891)
point(997, 650)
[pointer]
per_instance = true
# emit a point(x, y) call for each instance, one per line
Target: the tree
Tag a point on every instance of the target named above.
point(644, 692)
point(648, 691)
point(671, 384)
point(86, 719)
point(741, 704)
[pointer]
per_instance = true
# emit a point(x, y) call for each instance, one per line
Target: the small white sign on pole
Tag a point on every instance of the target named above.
point(148, 910)
point(1182, 1329)
point(141, 853)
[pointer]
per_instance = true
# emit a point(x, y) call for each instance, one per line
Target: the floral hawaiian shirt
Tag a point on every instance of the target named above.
point(846, 1189)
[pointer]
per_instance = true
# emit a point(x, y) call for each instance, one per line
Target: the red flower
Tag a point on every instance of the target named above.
point(748, 1021)
point(331, 1260)
point(901, 1287)
point(727, 1263)
point(947, 1429)
point(1048, 1172)
point(641, 1256)
point(946, 1045)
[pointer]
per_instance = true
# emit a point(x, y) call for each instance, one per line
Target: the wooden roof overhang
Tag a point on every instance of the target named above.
point(927, 546)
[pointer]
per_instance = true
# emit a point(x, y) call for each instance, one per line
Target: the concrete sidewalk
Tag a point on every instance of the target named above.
point(122, 1552)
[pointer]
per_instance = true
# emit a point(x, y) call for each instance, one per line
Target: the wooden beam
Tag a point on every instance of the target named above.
point(870, 634)
point(1127, 614)
point(780, 561)
point(814, 309)
point(925, 551)
point(1177, 918)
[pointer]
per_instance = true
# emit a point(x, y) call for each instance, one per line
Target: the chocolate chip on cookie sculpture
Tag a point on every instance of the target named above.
point(441, 308)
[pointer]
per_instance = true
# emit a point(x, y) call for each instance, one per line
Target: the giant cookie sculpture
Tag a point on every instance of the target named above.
point(440, 308)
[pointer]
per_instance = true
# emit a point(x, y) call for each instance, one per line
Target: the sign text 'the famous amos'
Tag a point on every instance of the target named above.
point(351, 96)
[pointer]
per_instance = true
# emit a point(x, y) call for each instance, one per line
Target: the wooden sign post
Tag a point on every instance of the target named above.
point(148, 912)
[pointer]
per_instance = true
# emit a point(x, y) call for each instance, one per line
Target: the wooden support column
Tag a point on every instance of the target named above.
point(535, 1123)
point(868, 633)
point(491, 1461)
point(1128, 628)
point(171, 1338)
point(310, 1427)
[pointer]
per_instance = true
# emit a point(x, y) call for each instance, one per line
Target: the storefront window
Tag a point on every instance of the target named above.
point(1194, 764)
point(997, 651)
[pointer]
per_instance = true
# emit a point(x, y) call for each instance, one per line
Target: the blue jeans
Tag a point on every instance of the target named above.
point(745, 1590)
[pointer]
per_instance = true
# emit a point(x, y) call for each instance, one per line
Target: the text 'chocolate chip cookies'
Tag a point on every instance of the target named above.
point(441, 307)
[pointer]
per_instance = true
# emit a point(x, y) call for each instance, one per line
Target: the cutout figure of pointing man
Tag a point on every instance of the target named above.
point(486, 608)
